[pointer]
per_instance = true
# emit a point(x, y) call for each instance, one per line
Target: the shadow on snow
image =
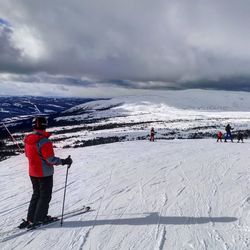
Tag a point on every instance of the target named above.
point(151, 219)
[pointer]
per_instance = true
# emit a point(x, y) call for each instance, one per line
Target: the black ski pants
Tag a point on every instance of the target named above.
point(39, 203)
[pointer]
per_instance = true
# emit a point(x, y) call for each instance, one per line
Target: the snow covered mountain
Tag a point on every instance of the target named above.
point(14, 106)
point(173, 114)
point(172, 194)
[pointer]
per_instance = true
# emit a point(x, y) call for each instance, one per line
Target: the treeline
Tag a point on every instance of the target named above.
point(7, 150)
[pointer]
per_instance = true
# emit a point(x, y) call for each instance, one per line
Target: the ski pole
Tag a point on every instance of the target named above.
point(65, 191)
point(12, 137)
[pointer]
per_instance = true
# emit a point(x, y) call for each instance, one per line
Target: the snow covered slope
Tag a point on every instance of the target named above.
point(174, 114)
point(183, 99)
point(179, 194)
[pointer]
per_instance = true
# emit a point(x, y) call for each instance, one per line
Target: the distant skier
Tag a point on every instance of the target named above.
point(219, 136)
point(240, 137)
point(40, 154)
point(152, 134)
point(228, 129)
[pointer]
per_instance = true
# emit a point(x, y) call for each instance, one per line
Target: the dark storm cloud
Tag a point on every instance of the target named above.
point(4, 23)
point(9, 54)
point(144, 43)
point(45, 78)
point(232, 84)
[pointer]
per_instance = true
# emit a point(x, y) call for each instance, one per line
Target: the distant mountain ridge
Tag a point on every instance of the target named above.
point(12, 106)
point(174, 115)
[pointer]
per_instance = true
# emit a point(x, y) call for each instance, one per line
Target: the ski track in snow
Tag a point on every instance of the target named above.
point(190, 194)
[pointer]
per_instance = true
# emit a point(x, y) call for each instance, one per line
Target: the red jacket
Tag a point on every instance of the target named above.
point(40, 153)
point(219, 135)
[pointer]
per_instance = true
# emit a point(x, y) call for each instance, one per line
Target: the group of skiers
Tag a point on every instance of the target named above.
point(228, 135)
point(220, 136)
point(41, 158)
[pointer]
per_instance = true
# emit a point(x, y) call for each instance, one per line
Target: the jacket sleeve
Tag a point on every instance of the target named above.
point(25, 150)
point(47, 152)
point(25, 147)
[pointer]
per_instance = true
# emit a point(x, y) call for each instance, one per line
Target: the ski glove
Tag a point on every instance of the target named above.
point(68, 161)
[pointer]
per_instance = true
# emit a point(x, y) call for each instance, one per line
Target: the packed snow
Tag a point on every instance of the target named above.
point(175, 194)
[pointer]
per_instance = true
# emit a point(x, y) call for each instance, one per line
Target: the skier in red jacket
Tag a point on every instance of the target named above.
point(219, 136)
point(40, 154)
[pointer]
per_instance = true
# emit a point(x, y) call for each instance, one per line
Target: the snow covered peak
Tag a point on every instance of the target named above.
point(207, 100)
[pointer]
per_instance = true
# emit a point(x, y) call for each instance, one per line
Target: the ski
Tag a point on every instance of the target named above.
point(66, 214)
point(58, 218)
point(82, 209)
point(13, 233)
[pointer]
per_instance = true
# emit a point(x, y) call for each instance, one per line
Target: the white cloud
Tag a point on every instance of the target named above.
point(28, 42)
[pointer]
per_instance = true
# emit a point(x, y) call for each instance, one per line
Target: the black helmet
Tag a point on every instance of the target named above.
point(40, 122)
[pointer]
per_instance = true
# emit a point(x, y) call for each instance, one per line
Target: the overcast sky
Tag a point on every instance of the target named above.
point(78, 47)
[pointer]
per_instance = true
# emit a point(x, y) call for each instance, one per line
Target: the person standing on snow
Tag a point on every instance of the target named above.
point(219, 136)
point(40, 154)
point(152, 134)
point(240, 137)
point(228, 129)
